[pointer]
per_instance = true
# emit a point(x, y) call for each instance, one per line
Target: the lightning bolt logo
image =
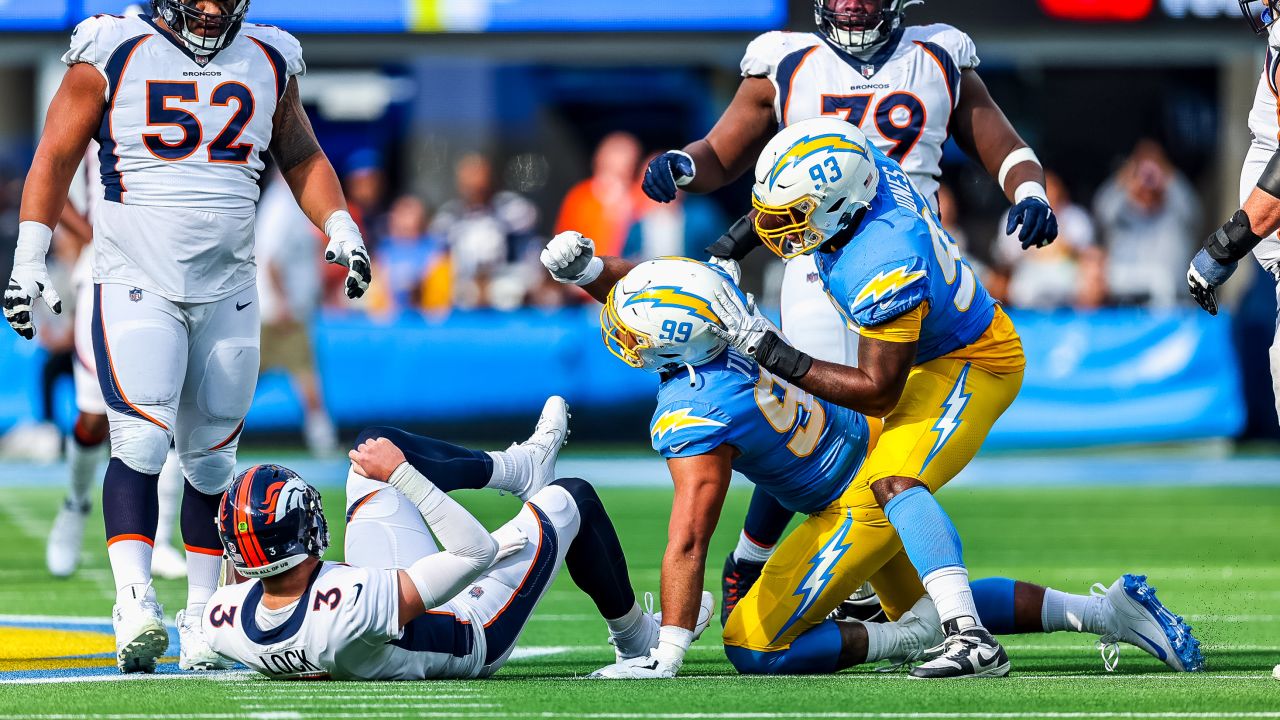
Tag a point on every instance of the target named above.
point(673, 421)
point(675, 297)
point(821, 570)
point(886, 283)
point(946, 426)
point(809, 146)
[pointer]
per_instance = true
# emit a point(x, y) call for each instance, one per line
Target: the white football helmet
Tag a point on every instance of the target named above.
point(857, 33)
point(811, 181)
point(659, 316)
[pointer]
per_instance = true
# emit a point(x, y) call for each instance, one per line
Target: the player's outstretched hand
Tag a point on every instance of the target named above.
point(377, 459)
point(645, 667)
point(743, 326)
point(30, 280)
point(670, 170)
point(1205, 276)
point(1039, 224)
point(571, 259)
point(346, 248)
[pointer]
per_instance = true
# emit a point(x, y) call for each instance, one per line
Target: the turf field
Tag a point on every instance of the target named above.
point(1210, 551)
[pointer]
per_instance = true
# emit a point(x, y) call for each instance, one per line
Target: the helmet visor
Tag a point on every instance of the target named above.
point(786, 229)
point(623, 342)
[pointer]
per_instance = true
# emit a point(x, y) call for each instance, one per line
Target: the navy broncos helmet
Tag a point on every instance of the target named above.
point(271, 520)
point(203, 33)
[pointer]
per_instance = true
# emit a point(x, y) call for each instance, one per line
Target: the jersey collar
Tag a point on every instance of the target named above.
point(872, 65)
point(173, 40)
point(286, 629)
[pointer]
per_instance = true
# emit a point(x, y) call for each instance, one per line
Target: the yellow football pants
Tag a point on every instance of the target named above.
point(946, 411)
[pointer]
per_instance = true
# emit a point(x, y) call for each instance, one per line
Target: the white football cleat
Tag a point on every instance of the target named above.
point(536, 457)
point(168, 562)
point(1139, 619)
point(141, 637)
point(642, 643)
point(194, 651)
point(62, 554)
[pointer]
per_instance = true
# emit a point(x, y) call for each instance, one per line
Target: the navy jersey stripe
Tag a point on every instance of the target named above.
point(107, 157)
point(502, 632)
point(283, 631)
point(948, 67)
point(786, 76)
point(437, 632)
point(277, 64)
point(111, 392)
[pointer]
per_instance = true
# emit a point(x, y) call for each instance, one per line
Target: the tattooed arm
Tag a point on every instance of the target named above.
point(304, 165)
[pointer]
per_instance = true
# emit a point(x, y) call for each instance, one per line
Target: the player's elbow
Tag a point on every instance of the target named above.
point(881, 403)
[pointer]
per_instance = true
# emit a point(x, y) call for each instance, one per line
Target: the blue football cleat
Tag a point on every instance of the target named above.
point(1140, 619)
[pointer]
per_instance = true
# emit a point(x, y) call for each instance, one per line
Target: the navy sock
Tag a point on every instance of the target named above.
point(595, 559)
point(927, 533)
point(448, 466)
point(199, 520)
point(130, 505)
point(994, 598)
point(766, 519)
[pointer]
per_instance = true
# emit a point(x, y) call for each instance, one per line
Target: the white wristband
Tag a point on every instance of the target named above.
point(594, 267)
point(1017, 157)
point(339, 222)
point(34, 239)
point(693, 166)
point(1028, 189)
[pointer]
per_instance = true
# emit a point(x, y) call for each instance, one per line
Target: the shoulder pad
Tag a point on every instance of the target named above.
point(956, 43)
point(284, 43)
point(766, 51)
point(890, 290)
point(687, 429)
point(96, 38)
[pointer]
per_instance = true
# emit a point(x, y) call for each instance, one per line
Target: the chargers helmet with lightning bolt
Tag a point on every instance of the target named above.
point(813, 179)
point(859, 26)
point(271, 520)
point(203, 33)
point(659, 316)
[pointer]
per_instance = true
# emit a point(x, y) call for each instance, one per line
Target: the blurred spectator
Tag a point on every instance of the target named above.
point(603, 206)
point(683, 227)
point(1149, 216)
point(491, 238)
point(1067, 273)
point(412, 265)
point(365, 185)
point(289, 251)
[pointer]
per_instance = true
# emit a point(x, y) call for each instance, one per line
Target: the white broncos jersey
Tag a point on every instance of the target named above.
point(180, 150)
point(1264, 120)
point(902, 97)
point(346, 626)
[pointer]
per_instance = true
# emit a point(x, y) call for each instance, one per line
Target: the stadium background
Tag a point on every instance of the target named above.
point(468, 333)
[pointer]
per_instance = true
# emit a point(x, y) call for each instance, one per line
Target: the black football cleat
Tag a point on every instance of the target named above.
point(738, 577)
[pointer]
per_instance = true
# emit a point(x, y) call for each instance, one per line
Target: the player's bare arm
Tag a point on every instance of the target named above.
point(700, 486)
point(315, 184)
point(874, 387)
point(982, 130)
point(74, 116)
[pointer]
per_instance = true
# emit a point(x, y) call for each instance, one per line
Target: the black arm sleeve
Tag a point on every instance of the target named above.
point(739, 240)
point(1234, 240)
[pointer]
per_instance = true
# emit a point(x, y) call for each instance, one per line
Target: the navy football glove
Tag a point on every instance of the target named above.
point(1205, 276)
point(1039, 224)
point(668, 171)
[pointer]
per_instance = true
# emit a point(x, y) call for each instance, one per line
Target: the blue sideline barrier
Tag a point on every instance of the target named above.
point(1116, 376)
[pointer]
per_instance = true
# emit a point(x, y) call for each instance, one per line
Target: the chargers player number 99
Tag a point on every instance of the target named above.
point(161, 111)
point(677, 332)
point(784, 414)
point(899, 117)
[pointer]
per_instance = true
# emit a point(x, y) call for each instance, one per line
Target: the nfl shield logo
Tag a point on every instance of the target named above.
point(868, 71)
point(476, 591)
point(135, 295)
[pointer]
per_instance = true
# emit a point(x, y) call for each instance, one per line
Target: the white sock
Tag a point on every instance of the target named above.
point(627, 624)
point(83, 463)
point(949, 588)
point(749, 550)
point(130, 563)
point(1075, 613)
point(882, 641)
point(894, 641)
point(203, 572)
point(506, 473)
point(169, 497)
point(135, 591)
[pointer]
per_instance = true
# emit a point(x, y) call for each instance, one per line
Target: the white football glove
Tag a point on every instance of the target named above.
point(728, 265)
point(30, 279)
point(571, 259)
point(346, 248)
point(646, 667)
point(744, 326)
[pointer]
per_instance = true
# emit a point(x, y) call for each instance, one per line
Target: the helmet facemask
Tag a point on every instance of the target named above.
point(203, 33)
point(787, 230)
point(858, 33)
point(623, 342)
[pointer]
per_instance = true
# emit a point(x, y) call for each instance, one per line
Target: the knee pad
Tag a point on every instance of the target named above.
point(561, 508)
point(583, 493)
point(209, 472)
point(230, 378)
point(139, 444)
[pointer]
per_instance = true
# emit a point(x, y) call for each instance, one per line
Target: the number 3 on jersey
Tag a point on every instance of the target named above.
point(161, 112)
point(899, 117)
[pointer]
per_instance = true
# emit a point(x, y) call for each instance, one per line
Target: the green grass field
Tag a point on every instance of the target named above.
point(1210, 551)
